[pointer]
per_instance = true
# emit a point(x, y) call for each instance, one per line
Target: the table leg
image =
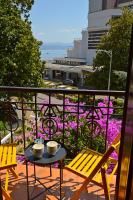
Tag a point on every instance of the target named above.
point(61, 179)
point(50, 170)
point(35, 173)
point(28, 195)
point(62, 171)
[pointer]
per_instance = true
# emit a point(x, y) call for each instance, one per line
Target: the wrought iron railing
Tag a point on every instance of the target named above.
point(77, 118)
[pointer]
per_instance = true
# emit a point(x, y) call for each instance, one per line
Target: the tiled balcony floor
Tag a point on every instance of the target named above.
point(71, 182)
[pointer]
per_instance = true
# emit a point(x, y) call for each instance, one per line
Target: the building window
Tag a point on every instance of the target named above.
point(94, 38)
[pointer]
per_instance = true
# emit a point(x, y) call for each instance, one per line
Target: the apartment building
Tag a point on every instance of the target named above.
point(100, 11)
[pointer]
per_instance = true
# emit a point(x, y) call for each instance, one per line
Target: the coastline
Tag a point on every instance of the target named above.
point(50, 54)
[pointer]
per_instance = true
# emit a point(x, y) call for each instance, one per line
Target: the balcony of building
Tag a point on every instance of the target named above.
point(76, 118)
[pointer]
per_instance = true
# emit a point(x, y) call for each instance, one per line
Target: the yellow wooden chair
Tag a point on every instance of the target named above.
point(8, 163)
point(92, 166)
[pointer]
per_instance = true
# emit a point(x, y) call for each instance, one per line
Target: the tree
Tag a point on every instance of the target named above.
point(20, 62)
point(119, 80)
point(97, 80)
point(117, 40)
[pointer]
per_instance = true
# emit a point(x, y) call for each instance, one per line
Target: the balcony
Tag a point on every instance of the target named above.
point(77, 118)
point(18, 189)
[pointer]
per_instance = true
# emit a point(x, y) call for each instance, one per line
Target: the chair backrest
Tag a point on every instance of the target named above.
point(116, 142)
point(117, 139)
point(99, 165)
point(106, 157)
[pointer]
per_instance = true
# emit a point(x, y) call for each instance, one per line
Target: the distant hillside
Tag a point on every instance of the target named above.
point(56, 46)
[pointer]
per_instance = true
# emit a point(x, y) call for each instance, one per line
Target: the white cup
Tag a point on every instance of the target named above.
point(38, 150)
point(52, 147)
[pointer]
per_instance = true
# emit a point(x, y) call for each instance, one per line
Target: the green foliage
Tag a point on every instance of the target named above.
point(1, 126)
point(118, 107)
point(19, 51)
point(118, 80)
point(98, 80)
point(3, 131)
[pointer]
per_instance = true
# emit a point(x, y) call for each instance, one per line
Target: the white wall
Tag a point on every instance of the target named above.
point(125, 3)
point(84, 43)
point(70, 53)
point(91, 53)
point(75, 52)
point(100, 19)
point(80, 47)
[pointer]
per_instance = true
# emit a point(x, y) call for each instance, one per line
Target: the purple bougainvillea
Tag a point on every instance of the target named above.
point(72, 123)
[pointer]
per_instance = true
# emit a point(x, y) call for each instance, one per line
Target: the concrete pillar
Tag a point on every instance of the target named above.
point(81, 79)
point(67, 75)
point(51, 74)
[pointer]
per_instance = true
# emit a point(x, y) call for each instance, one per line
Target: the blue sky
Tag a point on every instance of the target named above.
point(59, 20)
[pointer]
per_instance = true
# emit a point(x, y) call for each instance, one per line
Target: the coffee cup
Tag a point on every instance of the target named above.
point(52, 147)
point(38, 150)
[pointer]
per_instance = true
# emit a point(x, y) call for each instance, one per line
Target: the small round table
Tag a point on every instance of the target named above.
point(45, 160)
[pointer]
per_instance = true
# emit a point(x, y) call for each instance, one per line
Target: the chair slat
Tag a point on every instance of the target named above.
point(1, 153)
point(78, 163)
point(76, 158)
point(84, 163)
point(9, 155)
point(4, 158)
point(14, 155)
point(93, 166)
point(86, 168)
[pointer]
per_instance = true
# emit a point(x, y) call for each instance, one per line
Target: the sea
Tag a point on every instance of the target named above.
point(51, 54)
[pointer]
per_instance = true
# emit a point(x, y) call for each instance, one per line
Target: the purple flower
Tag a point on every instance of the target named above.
point(20, 158)
point(77, 117)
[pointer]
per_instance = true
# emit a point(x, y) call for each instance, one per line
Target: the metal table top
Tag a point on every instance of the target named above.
point(46, 159)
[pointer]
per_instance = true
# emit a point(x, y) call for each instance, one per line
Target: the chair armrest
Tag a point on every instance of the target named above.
point(11, 144)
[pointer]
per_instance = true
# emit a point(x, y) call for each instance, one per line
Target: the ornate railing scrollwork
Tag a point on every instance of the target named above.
point(49, 124)
point(8, 116)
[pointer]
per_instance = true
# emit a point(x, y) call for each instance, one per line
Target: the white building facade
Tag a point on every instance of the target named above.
point(100, 11)
point(80, 47)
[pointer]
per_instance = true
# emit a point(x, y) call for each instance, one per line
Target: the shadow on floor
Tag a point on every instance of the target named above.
point(71, 182)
